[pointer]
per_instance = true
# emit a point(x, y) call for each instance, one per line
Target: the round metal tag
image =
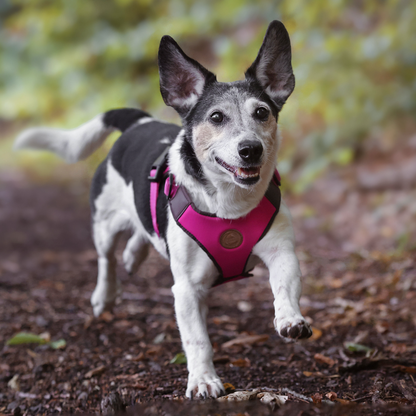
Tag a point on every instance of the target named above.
point(231, 239)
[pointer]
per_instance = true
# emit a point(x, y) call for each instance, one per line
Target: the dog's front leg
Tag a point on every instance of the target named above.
point(285, 281)
point(191, 311)
point(278, 253)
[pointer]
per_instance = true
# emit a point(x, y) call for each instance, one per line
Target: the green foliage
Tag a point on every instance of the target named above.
point(61, 62)
point(178, 359)
point(354, 347)
point(30, 338)
point(26, 338)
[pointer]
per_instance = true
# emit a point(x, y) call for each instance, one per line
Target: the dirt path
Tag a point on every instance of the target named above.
point(47, 273)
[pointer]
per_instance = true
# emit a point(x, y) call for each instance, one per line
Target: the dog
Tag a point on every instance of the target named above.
point(219, 167)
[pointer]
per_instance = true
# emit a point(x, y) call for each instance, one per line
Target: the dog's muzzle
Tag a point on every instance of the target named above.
point(243, 175)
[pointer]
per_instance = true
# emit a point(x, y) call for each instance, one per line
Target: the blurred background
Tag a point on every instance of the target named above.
point(349, 152)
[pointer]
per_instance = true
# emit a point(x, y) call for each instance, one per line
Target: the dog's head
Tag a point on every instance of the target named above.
point(230, 128)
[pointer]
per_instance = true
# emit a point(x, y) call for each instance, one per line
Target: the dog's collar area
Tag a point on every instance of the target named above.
point(228, 243)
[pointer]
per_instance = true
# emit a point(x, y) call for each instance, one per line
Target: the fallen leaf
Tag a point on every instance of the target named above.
point(316, 334)
point(106, 316)
point(159, 338)
point(245, 340)
point(139, 357)
point(241, 362)
point(123, 323)
point(154, 350)
point(88, 322)
point(138, 386)
point(58, 345)
point(239, 396)
point(95, 372)
point(320, 358)
point(353, 347)
point(46, 336)
point(272, 398)
point(331, 395)
point(14, 383)
point(397, 348)
point(229, 388)
point(317, 398)
point(343, 401)
point(25, 338)
point(179, 359)
point(32, 353)
point(319, 374)
point(405, 369)
point(221, 359)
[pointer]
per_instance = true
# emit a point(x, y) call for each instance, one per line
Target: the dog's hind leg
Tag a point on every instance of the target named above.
point(136, 251)
point(106, 232)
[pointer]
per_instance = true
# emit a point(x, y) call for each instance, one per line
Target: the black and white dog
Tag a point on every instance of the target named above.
point(224, 156)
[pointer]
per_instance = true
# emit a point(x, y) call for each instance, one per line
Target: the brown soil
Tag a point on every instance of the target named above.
point(351, 294)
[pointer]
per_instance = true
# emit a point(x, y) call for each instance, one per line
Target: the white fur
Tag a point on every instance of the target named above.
point(71, 145)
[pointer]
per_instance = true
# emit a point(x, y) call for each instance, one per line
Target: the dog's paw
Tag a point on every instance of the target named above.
point(293, 329)
point(204, 385)
point(103, 299)
point(130, 261)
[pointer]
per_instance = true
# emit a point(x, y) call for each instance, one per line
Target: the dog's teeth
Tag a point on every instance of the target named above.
point(242, 174)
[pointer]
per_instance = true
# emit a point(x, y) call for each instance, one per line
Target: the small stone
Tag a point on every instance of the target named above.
point(95, 372)
point(14, 383)
point(82, 397)
point(244, 306)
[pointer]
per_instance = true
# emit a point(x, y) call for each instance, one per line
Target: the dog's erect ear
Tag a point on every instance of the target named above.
point(273, 67)
point(182, 79)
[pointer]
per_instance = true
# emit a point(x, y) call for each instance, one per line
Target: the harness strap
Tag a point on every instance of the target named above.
point(159, 168)
point(228, 243)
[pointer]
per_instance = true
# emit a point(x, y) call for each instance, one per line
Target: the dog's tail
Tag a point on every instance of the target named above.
point(78, 144)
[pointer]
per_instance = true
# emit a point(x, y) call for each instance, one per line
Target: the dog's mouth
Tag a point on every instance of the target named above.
point(246, 176)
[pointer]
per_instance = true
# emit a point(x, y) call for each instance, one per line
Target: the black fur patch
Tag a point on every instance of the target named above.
point(123, 118)
point(273, 66)
point(97, 183)
point(192, 165)
point(133, 155)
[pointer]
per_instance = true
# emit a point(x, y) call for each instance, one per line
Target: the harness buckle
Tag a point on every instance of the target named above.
point(171, 181)
point(158, 166)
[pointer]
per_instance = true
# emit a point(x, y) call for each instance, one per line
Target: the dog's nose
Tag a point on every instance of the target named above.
point(250, 151)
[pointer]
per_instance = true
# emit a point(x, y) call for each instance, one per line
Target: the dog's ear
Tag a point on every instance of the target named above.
point(182, 79)
point(272, 67)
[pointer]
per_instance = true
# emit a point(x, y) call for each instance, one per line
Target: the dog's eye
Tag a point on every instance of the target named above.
point(217, 117)
point(261, 113)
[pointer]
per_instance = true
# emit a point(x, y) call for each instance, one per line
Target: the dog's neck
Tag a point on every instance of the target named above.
point(214, 195)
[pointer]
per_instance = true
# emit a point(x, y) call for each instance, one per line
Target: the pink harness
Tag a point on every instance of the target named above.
point(228, 243)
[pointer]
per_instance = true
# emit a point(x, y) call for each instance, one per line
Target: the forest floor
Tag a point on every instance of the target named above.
point(354, 234)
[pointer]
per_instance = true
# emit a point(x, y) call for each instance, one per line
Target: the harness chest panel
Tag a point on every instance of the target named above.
point(227, 242)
